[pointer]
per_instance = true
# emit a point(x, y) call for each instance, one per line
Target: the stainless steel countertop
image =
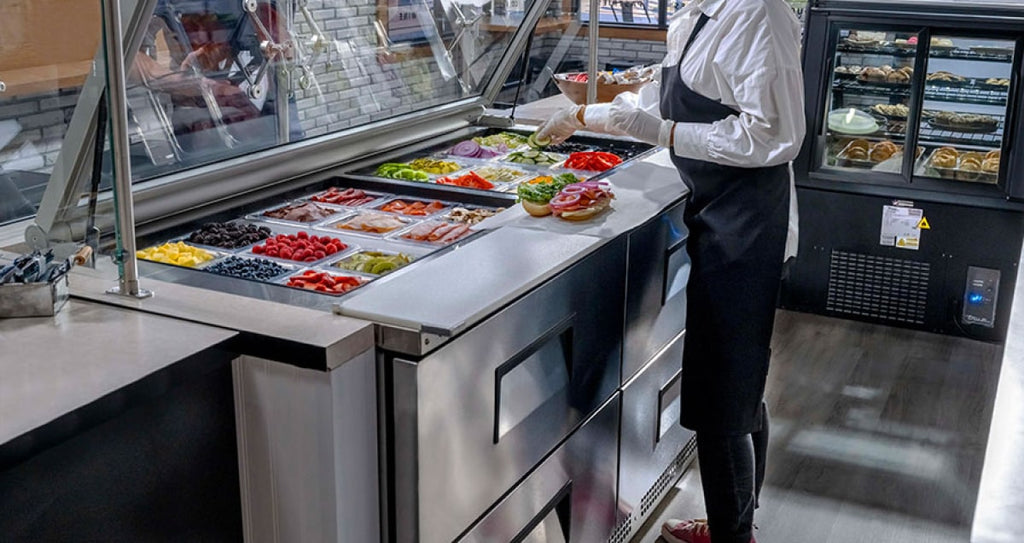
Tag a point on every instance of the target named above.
point(642, 190)
point(341, 338)
point(51, 366)
point(448, 294)
point(999, 514)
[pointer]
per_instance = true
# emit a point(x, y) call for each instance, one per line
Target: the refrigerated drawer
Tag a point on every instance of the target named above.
point(653, 445)
point(569, 498)
point(656, 288)
point(479, 413)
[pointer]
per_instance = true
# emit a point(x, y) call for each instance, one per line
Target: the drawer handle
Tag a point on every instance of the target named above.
point(533, 376)
point(677, 271)
point(669, 406)
point(561, 506)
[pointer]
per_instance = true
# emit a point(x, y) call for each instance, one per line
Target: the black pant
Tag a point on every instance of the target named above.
point(732, 472)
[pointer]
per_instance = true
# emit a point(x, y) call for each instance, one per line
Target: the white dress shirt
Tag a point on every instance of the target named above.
point(748, 58)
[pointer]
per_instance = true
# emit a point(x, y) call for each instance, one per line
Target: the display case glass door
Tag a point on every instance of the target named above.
point(870, 100)
point(963, 118)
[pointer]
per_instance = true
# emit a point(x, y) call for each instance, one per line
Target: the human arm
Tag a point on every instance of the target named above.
point(768, 130)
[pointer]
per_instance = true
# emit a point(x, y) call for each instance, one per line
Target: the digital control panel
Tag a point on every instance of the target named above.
point(980, 297)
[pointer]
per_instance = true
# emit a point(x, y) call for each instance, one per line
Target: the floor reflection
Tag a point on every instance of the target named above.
point(878, 435)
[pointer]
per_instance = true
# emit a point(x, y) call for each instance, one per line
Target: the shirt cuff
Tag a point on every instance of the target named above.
point(691, 140)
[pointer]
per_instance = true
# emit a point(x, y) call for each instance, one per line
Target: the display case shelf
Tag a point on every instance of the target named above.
point(898, 52)
point(970, 94)
point(935, 136)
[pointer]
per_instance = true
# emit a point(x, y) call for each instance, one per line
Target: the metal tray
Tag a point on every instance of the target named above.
point(377, 197)
point(400, 235)
point(334, 225)
point(214, 248)
point(259, 215)
point(363, 279)
point(290, 268)
point(42, 299)
point(334, 267)
point(408, 199)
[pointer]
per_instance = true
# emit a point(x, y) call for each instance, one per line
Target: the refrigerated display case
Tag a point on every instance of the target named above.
point(909, 181)
point(387, 209)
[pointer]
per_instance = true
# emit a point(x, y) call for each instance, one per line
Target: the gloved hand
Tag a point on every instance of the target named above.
point(629, 119)
point(560, 126)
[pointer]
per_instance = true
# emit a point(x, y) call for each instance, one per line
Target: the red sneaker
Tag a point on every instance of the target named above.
point(688, 531)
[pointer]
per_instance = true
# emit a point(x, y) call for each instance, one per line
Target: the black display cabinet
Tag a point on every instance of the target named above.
point(910, 179)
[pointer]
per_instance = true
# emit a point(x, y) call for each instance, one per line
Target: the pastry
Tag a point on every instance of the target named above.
point(873, 74)
point(855, 153)
point(860, 144)
point(993, 154)
point(945, 157)
point(897, 111)
point(941, 42)
point(997, 82)
point(946, 77)
point(849, 70)
point(878, 154)
point(898, 76)
point(973, 156)
point(965, 121)
point(970, 166)
point(990, 165)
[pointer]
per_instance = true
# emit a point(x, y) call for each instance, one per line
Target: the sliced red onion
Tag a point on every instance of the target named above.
point(467, 148)
point(563, 201)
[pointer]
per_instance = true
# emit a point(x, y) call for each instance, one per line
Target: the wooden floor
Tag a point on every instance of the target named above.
point(878, 435)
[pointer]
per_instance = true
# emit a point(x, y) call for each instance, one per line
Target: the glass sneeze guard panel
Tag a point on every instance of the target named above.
point(40, 81)
point(964, 112)
point(216, 80)
point(869, 100)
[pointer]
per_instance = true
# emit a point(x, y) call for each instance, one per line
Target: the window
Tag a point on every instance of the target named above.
point(649, 13)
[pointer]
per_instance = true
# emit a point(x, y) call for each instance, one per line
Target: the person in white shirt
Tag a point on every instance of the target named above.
point(729, 106)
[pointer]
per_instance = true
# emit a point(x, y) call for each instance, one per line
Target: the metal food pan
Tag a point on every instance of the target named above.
point(446, 216)
point(523, 173)
point(259, 215)
point(184, 238)
point(334, 225)
point(218, 254)
point(377, 197)
point(411, 199)
point(332, 265)
point(289, 266)
point(498, 185)
point(399, 235)
point(364, 280)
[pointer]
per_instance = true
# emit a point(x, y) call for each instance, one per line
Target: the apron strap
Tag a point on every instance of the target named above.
point(701, 22)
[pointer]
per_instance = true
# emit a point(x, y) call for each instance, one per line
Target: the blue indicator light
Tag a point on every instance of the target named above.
point(975, 298)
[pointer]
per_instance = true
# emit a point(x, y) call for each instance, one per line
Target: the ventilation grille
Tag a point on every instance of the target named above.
point(667, 479)
point(877, 287)
point(653, 497)
point(622, 531)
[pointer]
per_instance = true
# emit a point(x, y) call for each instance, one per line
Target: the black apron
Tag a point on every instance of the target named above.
point(738, 219)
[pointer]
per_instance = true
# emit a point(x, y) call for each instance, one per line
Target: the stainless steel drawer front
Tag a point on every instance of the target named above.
point(652, 437)
point(569, 498)
point(659, 269)
point(477, 415)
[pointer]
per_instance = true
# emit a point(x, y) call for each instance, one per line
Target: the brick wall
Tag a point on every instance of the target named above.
point(43, 120)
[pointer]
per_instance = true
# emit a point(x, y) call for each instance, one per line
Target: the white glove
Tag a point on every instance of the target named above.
point(560, 126)
point(627, 118)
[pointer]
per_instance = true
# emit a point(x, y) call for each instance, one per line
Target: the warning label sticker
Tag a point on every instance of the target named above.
point(901, 227)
